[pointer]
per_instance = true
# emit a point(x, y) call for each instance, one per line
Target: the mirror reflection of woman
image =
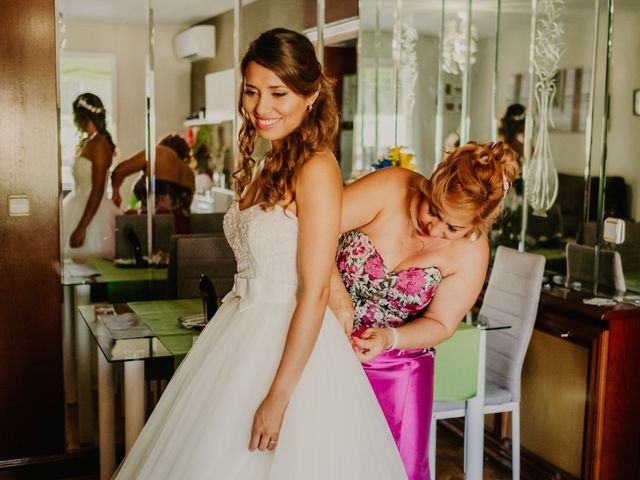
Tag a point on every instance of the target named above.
point(88, 215)
point(174, 180)
point(272, 389)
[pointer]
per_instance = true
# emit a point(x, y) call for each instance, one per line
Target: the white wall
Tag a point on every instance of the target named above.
point(129, 44)
point(172, 80)
point(624, 154)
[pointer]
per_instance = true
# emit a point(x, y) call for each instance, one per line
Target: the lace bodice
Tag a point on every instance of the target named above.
point(265, 243)
point(382, 298)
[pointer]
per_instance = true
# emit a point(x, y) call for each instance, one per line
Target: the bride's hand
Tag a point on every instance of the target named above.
point(266, 424)
point(371, 343)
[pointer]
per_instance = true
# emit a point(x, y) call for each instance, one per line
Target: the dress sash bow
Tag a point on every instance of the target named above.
point(259, 290)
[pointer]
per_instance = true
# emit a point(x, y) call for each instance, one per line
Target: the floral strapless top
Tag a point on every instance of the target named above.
point(382, 298)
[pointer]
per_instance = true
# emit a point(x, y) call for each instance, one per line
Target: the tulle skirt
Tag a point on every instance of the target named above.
point(100, 237)
point(333, 427)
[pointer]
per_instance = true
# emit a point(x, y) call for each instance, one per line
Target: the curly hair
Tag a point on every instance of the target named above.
point(178, 145)
point(474, 178)
point(88, 107)
point(290, 56)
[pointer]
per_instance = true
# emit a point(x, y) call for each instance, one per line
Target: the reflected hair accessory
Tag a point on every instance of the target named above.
point(505, 184)
point(84, 104)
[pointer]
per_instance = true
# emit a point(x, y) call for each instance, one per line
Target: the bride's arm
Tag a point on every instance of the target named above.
point(318, 202)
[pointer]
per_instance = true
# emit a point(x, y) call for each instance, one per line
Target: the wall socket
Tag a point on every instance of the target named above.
point(19, 205)
point(613, 230)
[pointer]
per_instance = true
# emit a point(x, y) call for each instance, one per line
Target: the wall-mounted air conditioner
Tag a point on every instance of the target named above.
point(196, 43)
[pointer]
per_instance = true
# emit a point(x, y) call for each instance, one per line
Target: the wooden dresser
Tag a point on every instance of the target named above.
point(582, 388)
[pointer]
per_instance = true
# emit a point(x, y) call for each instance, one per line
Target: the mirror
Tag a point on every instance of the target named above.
point(102, 50)
point(618, 174)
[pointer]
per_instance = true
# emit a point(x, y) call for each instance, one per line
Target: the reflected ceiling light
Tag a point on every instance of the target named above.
point(454, 44)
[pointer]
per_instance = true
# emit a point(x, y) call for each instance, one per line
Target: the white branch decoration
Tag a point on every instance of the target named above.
point(541, 176)
point(408, 74)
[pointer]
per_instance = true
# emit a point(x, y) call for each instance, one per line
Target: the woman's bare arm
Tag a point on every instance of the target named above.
point(125, 168)
point(318, 202)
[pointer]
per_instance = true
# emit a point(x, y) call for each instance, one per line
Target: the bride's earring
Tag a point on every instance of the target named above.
point(309, 107)
point(473, 237)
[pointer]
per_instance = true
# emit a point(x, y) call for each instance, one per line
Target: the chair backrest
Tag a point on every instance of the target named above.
point(163, 228)
point(580, 267)
point(192, 255)
point(207, 222)
point(628, 250)
point(511, 297)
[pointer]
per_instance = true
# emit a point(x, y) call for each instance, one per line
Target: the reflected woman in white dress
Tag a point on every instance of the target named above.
point(272, 388)
point(88, 215)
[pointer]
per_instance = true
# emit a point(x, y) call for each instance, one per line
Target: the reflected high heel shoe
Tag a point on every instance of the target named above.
point(209, 297)
point(133, 239)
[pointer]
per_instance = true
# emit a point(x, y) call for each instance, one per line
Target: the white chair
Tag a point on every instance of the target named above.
point(511, 298)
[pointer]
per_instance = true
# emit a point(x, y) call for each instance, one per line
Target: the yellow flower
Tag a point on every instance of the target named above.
point(400, 159)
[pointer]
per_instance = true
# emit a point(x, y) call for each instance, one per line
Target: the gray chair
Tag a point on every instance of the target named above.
point(192, 255)
point(207, 222)
point(511, 297)
point(163, 228)
point(580, 268)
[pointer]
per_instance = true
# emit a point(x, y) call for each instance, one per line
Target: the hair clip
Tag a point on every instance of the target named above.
point(84, 104)
point(517, 118)
point(505, 184)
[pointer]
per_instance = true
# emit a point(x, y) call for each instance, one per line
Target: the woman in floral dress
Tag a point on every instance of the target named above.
point(408, 237)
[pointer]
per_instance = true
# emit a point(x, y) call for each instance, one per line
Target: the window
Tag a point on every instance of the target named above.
point(80, 73)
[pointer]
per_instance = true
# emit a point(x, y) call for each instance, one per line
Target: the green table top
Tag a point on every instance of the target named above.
point(162, 319)
point(100, 270)
point(112, 273)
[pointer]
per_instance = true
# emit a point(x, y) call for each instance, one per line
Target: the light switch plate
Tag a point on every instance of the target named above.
point(19, 205)
point(613, 230)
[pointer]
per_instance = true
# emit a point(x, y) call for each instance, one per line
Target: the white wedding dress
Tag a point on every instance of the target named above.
point(333, 428)
point(99, 240)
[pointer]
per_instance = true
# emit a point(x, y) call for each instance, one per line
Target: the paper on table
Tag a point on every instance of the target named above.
point(74, 269)
point(125, 325)
point(599, 301)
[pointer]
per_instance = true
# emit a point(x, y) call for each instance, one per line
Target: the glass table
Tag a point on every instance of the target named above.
point(152, 331)
point(123, 284)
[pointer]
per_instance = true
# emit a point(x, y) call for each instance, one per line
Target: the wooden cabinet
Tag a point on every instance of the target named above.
point(580, 411)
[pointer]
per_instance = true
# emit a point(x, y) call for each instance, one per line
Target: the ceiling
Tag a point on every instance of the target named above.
point(172, 12)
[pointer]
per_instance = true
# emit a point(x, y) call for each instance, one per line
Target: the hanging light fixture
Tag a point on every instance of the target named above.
point(454, 44)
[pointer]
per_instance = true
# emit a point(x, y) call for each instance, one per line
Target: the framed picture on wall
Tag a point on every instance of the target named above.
point(636, 101)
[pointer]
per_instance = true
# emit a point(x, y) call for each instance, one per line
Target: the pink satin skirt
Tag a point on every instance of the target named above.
point(403, 382)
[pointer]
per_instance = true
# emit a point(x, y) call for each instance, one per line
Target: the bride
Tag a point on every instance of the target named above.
point(272, 389)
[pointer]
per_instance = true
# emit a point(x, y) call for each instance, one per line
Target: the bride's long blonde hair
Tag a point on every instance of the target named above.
point(291, 56)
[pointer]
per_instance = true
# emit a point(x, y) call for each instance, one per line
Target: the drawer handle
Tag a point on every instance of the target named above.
point(565, 334)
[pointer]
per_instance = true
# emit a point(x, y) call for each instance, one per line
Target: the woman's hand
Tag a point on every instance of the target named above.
point(266, 423)
point(116, 198)
point(371, 343)
point(77, 237)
